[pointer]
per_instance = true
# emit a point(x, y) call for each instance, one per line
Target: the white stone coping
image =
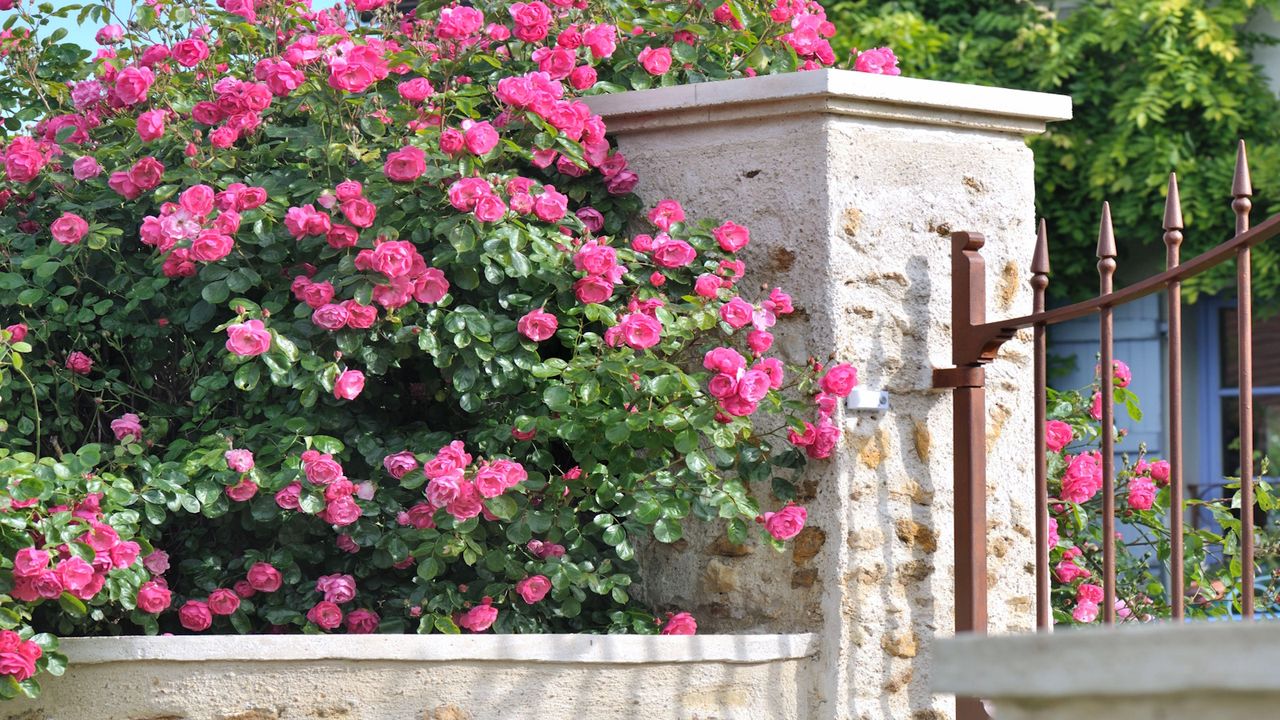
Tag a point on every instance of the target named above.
point(568, 649)
point(1156, 659)
point(840, 92)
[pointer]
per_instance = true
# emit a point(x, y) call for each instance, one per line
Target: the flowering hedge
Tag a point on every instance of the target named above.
point(348, 320)
point(1143, 540)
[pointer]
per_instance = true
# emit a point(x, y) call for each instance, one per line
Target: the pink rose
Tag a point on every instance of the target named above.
point(74, 573)
point(732, 237)
point(127, 426)
point(550, 205)
point(151, 125)
point(1083, 477)
point(248, 338)
point(359, 212)
point(1142, 493)
point(362, 622)
point(79, 363)
point(360, 317)
point(29, 562)
point(132, 84)
point(753, 386)
point(330, 317)
point(665, 214)
point(1123, 375)
point(490, 208)
point(197, 200)
point(674, 254)
point(1085, 612)
point(786, 523)
point(211, 246)
point(406, 164)
point(69, 229)
point(480, 138)
point(146, 173)
point(1160, 472)
point(722, 385)
point(242, 491)
point(348, 385)
point(157, 562)
point(400, 464)
point(190, 52)
point(602, 40)
point(223, 602)
point(1057, 435)
point(537, 325)
point(724, 360)
point(325, 615)
point(593, 289)
point(640, 331)
point(737, 312)
point(824, 443)
point(416, 90)
point(17, 332)
point(759, 341)
point(655, 62)
point(479, 618)
point(533, 589)
point(879, 61)
point(124, 554)
point(341, 511)
point(264, 577)
point(153, 597)
point(840, 380)
point(86, 168)
point(287, 497)
point(240, 461)
point(195, 616)
point(394, 259)
point(321, 469)
point(583, 77)
point(337, 588)
point(680, 624)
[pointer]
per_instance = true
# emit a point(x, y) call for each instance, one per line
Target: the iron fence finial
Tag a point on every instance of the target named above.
point(1040, 260)
point(1241, 185)
point(1106, 241)
point(1173, 207)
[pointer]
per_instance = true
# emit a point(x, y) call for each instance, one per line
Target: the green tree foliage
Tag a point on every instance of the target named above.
point(1158, 86)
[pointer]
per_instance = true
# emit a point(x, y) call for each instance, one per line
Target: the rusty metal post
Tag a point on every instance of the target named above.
point(1107, 375)
point(1040, 283)
point(1173, 242)
point(968, 309)
point(1242, 189)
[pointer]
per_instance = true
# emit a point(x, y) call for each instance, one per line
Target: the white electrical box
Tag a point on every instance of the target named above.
point(864, 400)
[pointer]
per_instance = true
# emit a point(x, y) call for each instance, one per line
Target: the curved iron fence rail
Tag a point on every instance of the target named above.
point(975, 342)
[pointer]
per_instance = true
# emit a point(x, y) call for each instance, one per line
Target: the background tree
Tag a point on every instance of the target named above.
point(1158, 85)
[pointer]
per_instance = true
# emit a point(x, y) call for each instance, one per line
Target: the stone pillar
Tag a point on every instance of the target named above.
point(850, 184)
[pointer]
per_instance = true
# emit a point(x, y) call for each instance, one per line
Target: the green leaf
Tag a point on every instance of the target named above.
point(668, 530)
point(557, 398)
point(247, 376)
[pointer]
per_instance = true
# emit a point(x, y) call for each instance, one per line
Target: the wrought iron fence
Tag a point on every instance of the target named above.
point(975, 342)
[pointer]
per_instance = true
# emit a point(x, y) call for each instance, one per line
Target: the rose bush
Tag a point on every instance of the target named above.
point(1211, 533)
point(348, 320)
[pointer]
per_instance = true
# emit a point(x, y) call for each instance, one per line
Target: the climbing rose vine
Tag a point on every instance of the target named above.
point(1211, 537)
point(348, 320)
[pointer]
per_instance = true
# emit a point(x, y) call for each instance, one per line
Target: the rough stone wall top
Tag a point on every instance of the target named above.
point(851, 186)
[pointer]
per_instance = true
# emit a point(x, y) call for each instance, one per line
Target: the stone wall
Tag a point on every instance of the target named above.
point(851, 185)
point(420, 677)
point(1137, 671)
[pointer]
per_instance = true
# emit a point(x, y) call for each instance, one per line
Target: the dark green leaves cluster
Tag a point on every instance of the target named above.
point(1158, 86)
